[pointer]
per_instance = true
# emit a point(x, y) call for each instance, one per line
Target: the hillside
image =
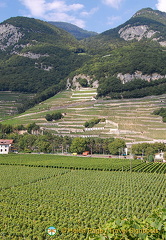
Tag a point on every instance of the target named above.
point(144, 24)
point(131, 119)
point(77, 32)
point(133, 51)
point(35, 55)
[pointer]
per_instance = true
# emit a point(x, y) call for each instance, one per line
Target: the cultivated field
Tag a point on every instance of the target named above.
point(39, 191)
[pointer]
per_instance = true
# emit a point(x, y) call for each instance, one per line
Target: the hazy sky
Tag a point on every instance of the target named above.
point(94, 15)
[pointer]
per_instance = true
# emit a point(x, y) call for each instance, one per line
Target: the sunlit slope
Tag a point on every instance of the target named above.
point(129, 119)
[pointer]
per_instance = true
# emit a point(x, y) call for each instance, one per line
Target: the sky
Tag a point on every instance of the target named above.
point(92, 15)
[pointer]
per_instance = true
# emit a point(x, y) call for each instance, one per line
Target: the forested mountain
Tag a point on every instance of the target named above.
point(77, 32)
point(133, 51)
point(145, 24)
point(37, 56)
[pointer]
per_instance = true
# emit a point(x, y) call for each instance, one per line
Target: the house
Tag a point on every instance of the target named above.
point(159, 157)
point(5, 146)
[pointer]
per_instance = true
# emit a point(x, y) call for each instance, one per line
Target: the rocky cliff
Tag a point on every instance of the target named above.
point(138, 75)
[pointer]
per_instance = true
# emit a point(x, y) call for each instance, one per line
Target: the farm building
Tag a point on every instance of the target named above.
point(5, 146)
point(159, 157)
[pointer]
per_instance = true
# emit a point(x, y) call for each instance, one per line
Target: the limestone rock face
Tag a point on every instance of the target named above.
point(135, 32)
point(138, 75)
point(32, 55)
point(163, 43)
point(9, 35)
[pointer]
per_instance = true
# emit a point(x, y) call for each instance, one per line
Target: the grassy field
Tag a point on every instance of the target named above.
point(35, 195)
point(131, 119)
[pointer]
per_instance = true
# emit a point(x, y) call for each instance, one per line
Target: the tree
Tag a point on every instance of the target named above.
point(49, 117)
point(149, 151)
point(27, 142)
point(32, 127)
point(78, 145)
point(117, 146)
point(83, 82)
point(54, 116)
point(139, 149)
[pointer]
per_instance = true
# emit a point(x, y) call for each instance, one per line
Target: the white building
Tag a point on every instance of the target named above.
point(5, 145)
point(159, 157)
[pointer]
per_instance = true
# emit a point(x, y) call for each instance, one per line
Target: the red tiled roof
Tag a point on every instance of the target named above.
point(6, 141)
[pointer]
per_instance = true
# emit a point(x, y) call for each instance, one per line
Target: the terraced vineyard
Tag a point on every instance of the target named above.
point(35, 195)
point(129, 119)
point(9, 102)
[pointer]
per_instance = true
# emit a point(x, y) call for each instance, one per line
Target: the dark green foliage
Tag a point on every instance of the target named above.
point(117, 147)
point(147, 148)
point(161, 112)
point(109, 85)
point(6, 129)
point(48, 117)
point(50, 92)
point(28, 75)
point(83, 82)
point(54, 116)
point(32, 127)
point(56, 58)
point(152, 227)
point(78, 145)
point(135, 89)
point(92, 123)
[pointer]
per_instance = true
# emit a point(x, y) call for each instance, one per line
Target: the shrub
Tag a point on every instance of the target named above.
point(92, 122)
point(54, 116)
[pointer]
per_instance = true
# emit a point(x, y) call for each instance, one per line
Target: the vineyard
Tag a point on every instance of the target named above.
point(84, 163)
point(39, 191)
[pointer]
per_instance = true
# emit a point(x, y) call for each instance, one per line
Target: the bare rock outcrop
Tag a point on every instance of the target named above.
point(138, 75)
point(32, 55)
point(9, 35)
point(135, 32)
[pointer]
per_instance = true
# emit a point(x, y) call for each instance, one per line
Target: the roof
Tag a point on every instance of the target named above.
point(6, 141)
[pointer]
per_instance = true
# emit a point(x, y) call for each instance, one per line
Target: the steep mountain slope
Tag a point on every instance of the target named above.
point(145, 24)
point(131, 52)
point(77, 32)
point(35, 55)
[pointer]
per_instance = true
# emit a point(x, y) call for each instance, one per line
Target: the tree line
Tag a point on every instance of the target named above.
point(137, 88)
point(148, 150)
point(36, 140)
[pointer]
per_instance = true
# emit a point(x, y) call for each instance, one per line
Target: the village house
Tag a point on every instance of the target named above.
point(159, 157)
point(5, 146)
